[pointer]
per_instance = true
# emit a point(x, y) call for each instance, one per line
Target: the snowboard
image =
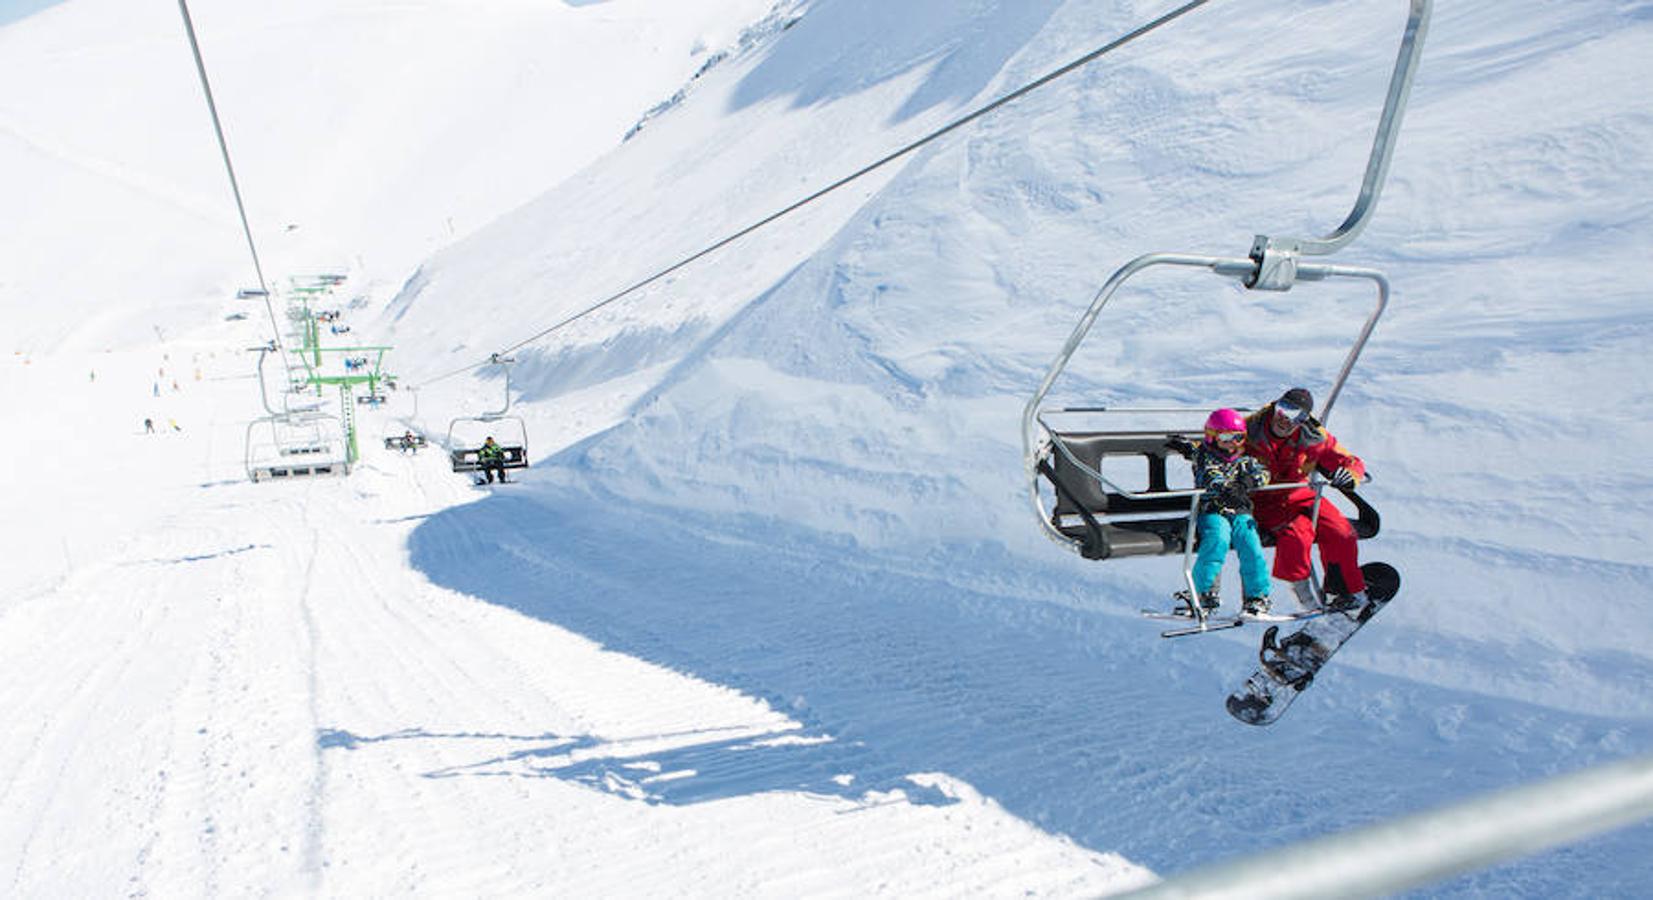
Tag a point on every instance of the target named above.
point(1287, 666)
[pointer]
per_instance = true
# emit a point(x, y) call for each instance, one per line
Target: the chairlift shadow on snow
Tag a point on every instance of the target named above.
point(1075, 720)
point(712, 765)
point(200, 557)
point(905, 675)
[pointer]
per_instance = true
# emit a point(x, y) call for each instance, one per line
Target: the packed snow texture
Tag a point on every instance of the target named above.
point(770, 615)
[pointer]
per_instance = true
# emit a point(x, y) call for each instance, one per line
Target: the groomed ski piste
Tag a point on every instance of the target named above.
point(769, 615)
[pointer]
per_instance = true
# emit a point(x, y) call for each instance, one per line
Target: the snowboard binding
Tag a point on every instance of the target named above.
point(1292, 663)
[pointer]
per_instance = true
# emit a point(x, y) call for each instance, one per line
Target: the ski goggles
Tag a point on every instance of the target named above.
point(1293, 414)
point(1228, 437)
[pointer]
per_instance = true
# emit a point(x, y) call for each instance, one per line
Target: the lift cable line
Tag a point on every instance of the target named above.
point(235, 186)
point(1017, 94)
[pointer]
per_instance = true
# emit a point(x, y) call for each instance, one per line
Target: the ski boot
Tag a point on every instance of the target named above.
point(1254, 606)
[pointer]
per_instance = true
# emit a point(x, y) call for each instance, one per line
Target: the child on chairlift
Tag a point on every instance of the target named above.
point(1228, 476)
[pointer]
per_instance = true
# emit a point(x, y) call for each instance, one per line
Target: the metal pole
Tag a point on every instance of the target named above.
point(1388, 131)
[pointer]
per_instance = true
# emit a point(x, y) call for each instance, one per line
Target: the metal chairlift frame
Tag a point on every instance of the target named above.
point(464, 459)
point(345, 384)
point(318, 457)
point(1273, 265)
point(313, 457)
point(410, 423)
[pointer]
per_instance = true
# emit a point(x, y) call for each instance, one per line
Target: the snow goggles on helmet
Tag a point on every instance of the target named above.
point(1293, 414)
point(1228, 437)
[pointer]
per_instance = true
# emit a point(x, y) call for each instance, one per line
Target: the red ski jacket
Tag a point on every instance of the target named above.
point(1292, 458)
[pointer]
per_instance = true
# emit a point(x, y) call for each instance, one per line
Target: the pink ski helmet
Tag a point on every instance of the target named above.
point(1225, 431)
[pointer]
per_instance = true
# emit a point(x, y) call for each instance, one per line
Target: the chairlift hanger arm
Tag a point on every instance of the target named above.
point(1226, 266)
point(1377, 164)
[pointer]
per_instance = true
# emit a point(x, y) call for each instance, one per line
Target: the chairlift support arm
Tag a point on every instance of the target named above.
point(1275, 258)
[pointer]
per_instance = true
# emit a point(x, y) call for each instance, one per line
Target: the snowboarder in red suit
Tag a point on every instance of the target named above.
point(1291, 443)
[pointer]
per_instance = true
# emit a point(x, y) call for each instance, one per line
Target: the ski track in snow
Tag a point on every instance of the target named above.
point(315, 717)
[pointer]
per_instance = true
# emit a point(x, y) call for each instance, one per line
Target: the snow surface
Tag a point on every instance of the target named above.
point(769, 615)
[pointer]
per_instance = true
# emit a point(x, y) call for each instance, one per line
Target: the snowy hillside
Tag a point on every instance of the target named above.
point(769, 615)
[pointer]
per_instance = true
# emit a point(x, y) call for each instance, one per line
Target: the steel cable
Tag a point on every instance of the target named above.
point(1020, 92)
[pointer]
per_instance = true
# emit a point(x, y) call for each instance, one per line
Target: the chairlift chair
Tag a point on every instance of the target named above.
point(406, 441)
point(297, 445)
point(1089, 509)
point(464, 451)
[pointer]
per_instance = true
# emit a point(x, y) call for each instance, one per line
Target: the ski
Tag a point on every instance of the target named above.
point(1217, 622)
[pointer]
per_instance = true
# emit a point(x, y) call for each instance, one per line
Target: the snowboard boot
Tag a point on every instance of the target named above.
point(1209, 601)
point(1255, 606)
point(1347, 602)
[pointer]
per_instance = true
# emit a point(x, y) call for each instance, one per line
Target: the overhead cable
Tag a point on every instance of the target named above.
point(1020, 92)
point(235, 186)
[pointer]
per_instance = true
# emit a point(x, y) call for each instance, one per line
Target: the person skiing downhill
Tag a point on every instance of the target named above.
point(1286, 438)
point(1228, 477)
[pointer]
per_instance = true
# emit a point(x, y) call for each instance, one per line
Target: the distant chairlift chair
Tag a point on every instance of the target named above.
point(296, 445)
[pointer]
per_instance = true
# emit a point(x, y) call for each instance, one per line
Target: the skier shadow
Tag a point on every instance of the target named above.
point(703, 765)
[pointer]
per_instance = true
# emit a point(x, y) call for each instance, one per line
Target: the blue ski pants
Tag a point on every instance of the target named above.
point(1217, 533)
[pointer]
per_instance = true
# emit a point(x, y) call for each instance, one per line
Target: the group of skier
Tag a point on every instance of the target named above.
point(1280, 444)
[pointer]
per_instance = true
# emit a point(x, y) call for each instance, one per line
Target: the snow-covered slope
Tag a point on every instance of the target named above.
point(872, 391)
point(768, 614)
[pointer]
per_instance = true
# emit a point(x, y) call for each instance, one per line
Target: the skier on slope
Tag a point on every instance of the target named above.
point(1291, 443)
point(1225, 519)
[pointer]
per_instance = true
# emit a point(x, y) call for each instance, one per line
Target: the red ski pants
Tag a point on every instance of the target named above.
point(1293, 534)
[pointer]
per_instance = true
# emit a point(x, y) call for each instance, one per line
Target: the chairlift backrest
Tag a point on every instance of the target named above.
point(1100, 518)
point(468, 459)
point(1105, 521)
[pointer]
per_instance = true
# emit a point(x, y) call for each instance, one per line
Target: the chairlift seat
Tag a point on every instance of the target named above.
point(1107, 523)
point(403, 442)
point(265, 472)
point(468, 459)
